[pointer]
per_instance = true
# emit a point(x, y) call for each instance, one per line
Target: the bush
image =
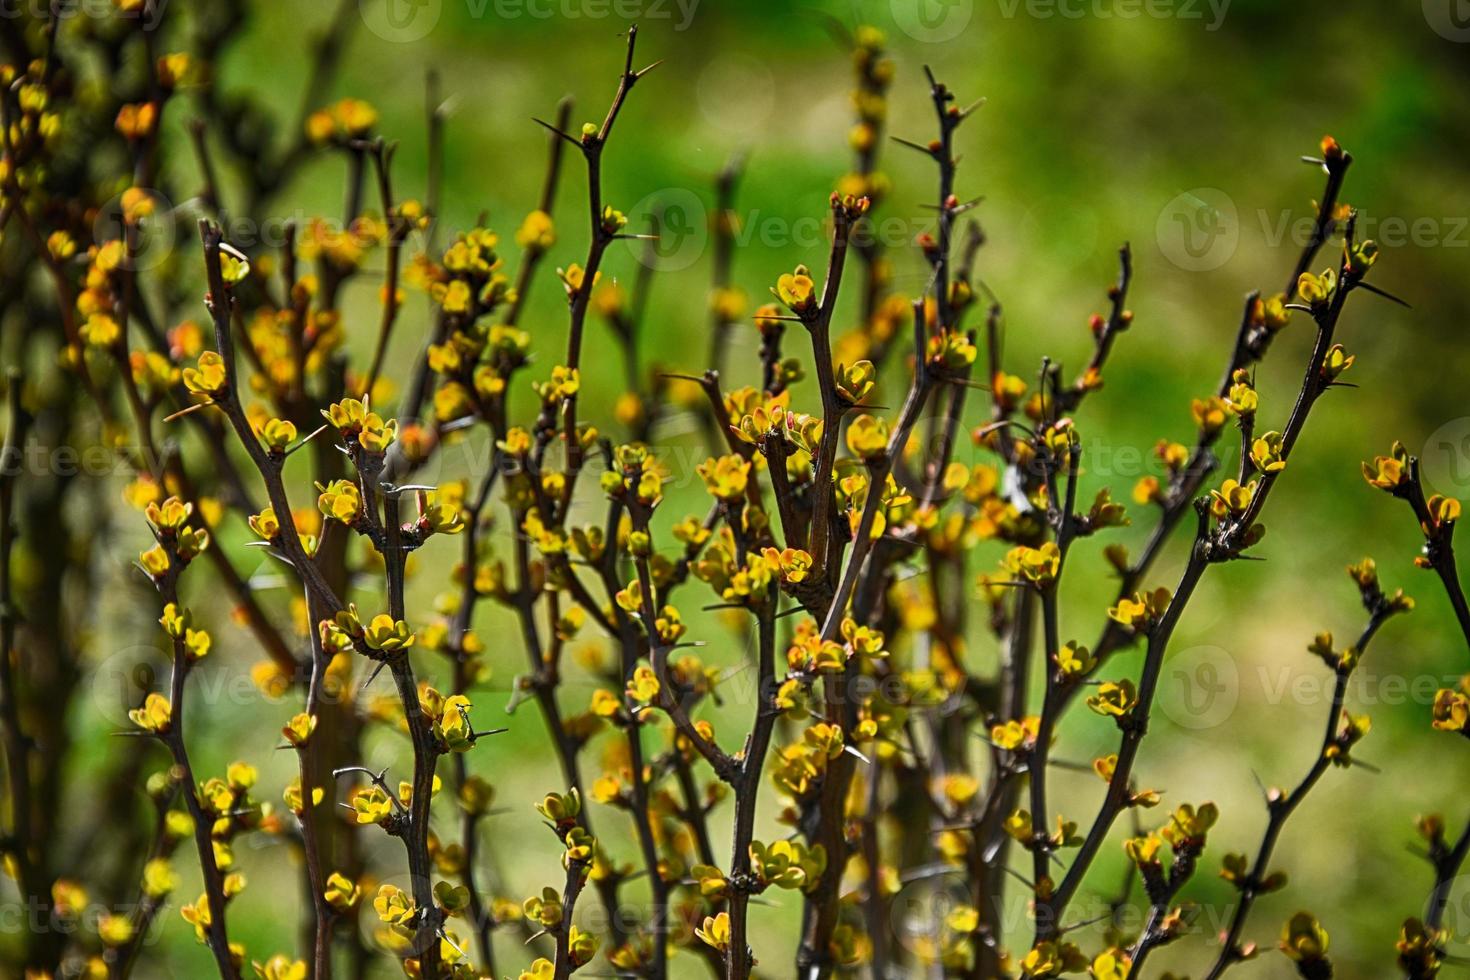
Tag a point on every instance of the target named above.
point(845, 535)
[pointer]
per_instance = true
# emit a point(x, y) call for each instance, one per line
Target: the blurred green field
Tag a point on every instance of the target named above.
point(1096, 127)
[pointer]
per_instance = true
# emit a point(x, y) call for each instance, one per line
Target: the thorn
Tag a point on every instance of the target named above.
point(1085, 923)
point(319, 431)
point(558, 132)
point(1386, 295)
point(967, 205)
point(458, 424)
point(912, 145)
point(187, 411)
point(232, 251)
point(372, 677)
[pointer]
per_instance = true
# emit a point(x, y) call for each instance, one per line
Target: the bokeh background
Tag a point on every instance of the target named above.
point(1175, 126)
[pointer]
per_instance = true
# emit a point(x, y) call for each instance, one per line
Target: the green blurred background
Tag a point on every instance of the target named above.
point(1099, 129)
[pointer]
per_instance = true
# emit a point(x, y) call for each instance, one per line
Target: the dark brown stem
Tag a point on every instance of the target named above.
point(307, 758)
point(1280, 808)
point(21, 849)
point(832, 408)
point(216, 935)
point(1049, 911)
point(738, 960)
point(576, 878)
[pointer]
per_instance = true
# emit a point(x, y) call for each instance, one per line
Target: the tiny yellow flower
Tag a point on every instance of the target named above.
point(453, 727)
point(386, 635)
point(715, 931)
point(1317, 291)
point(281, 967)
point(854, 383)
point(100, 330)
point(1039, 566)
point(537, 232)
point(867, 437)
point(561, 810)
point(1303, 939)
point(1451, 711)
point(1268, 453)
point(265, 524)
point(1114, 699)
point(233, 266)
point(155, 714)
point(1075, 661)
point(1142, 610)
point(159, 878)
point(299, 729)
point(114, 930)
point(726, 477)
point(277, 434)
point(1335, 362)
point(372, 805)
point(394, 906)
point(797, 291)
point(341, 501)
point(644, 686)
point(1388, 472)
point(208, 377)
point(1232, 498)
point(794, 563)
point(1209, 414)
